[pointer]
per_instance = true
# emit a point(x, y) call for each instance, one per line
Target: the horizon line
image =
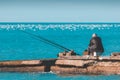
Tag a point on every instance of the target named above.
point(65, 22)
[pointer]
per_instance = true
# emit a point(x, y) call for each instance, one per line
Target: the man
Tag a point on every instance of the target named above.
point(95, 47)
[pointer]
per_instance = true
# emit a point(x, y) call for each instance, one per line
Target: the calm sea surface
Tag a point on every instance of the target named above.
point(16, 45)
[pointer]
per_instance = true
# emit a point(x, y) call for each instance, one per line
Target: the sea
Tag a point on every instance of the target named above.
point(15, 44)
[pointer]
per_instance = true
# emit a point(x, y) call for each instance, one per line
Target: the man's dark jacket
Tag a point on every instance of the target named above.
point(96, 45)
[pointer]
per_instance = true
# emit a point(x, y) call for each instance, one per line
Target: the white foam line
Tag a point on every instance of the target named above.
point(57, 26)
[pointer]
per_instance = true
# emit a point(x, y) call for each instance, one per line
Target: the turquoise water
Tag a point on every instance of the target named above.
point(51, 76)
point(16, 45)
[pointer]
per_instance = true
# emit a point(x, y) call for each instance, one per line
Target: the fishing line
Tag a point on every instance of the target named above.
point(48, 41)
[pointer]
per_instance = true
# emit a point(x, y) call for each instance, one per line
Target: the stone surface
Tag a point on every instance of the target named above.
point(76, 63)
point(20, 63)
point(95, 68)
point(66, 65)
point(23, 69)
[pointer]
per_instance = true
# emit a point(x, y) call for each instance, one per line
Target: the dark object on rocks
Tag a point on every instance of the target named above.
point(115, 54)
point(86, 52)
point(70, 53)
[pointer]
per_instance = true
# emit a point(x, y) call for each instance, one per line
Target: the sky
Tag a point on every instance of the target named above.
point(59, 10)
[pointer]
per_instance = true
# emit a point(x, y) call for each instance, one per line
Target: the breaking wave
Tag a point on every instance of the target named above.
point(73, 26)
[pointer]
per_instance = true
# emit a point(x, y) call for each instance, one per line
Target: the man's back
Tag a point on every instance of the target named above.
point(96, 43)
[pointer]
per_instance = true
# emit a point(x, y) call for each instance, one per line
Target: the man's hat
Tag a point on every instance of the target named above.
point(94, 35)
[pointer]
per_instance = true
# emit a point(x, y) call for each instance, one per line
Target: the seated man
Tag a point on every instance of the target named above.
point(95, 47)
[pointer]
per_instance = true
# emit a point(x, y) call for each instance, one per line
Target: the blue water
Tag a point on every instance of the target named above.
point(16, 45)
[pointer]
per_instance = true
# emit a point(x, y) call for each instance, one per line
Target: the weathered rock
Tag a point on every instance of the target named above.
point(103, 70)
point(86, 57)
point(20, 63)
point(68, 70)
point(76, 63)
point(95, 68)
point(27, 65)
point(66, 65)
point(87, 65)
point(23, 69)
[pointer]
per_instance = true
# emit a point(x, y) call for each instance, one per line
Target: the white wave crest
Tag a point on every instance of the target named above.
point(57, 26)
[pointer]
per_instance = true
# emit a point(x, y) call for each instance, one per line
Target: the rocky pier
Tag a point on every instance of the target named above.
point(66, 65)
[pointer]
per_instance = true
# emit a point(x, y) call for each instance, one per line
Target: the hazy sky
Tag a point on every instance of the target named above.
point(59, 10)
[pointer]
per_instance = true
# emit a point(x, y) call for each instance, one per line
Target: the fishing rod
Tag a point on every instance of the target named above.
point(47, 41)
